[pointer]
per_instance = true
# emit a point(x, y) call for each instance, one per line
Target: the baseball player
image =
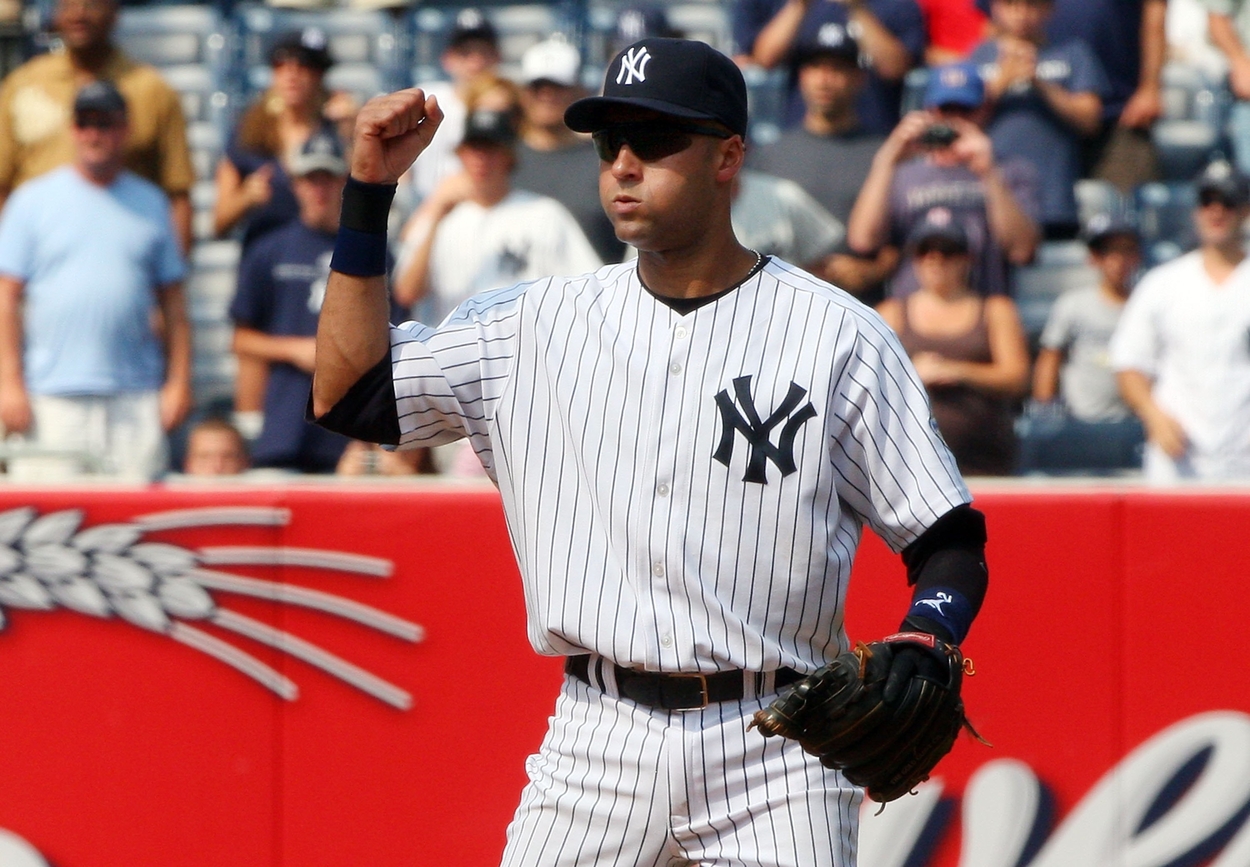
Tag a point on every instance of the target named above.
point(687, 448)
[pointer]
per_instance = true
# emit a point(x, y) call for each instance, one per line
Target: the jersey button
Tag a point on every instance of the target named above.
point(657, 569)
point(680, 332)
point(675, 368)
point(666, 640)
point(662, 489)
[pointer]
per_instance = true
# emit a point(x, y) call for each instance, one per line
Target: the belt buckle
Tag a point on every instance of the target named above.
point(703, 694)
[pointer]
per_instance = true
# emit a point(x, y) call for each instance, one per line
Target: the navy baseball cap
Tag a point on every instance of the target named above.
point(489, 127)
point(830, 39)
point(321, 152)
point(954, 84)
point(678, 77)
point(1102, 227)
point(1222, 179)
point(101, 96)
point(939, 227)
point(308, 47)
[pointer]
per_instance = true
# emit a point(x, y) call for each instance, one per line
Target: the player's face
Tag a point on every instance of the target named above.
point(829, 84)
point(659, 189)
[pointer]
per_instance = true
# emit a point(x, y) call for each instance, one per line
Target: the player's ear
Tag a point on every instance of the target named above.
point(730, 155)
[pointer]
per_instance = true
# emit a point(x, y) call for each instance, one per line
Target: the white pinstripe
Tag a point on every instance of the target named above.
point(593, 407)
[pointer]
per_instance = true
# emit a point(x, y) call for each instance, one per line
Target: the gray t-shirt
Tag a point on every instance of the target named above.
point(571, 177)
point(775, 217)
point(831, 168)
point(1081, 324)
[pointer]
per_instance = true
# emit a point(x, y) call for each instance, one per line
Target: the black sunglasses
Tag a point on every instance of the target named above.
point(98, 120)
point(651, 140)
point(1218, 197)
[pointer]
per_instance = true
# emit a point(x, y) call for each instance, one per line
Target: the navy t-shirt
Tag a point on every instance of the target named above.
point(1023, 124)
point(1112, 28)
point(282, 282)
point(878, 105)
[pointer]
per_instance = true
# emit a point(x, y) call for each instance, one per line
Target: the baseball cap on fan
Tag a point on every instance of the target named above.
point(553, 60)
point(939, 230)
point(472, 24)
point(321, 152)
point(830, 39)
point(1221, 179)
point(954, 84)
point(99, 96)
point(678, 77)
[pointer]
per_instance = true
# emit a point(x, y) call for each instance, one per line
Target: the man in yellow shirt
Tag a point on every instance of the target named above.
point(36, 102)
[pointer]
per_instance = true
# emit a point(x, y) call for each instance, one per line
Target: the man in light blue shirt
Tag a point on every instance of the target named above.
point(95, 345)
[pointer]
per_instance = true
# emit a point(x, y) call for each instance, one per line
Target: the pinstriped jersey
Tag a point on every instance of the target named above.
point(683, 492)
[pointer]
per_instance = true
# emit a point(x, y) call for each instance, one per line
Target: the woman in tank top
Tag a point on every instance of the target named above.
point(970, 351)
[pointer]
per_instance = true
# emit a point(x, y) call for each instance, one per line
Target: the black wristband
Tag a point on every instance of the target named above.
point(366, 207)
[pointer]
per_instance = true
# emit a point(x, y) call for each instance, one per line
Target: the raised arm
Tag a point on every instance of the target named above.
point(353, 333)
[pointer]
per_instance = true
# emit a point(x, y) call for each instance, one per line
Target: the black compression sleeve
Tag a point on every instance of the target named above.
point(947, 566)
point(368, 411)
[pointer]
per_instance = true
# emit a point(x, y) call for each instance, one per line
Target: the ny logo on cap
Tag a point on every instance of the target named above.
point(633, 65)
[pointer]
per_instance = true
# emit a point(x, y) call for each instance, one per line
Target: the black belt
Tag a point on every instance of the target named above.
point(675, 691)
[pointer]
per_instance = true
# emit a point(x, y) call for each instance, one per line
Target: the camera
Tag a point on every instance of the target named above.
point(939, 135)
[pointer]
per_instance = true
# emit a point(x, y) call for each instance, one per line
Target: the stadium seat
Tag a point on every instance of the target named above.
point(174, 35)
point(210, 288)
point(1191, 129)
point(1165, 218)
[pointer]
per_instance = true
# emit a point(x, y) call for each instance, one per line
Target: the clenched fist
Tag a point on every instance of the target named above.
point(391, 132)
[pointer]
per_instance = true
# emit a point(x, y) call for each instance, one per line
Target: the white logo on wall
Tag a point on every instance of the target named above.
point(633, 65)
point(49, 562)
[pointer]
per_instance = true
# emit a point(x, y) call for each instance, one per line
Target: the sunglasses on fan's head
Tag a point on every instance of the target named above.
point(651, 140)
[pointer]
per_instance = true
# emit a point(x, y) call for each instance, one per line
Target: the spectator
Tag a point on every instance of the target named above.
point(891, 33)
point(253, 186)
point(1229, 28)
point(88, 263)
point(215, 448)
point(1180, 350)
point(476, 232)
point(830, 78)
point(1129, 39)
point(36, 102)
point(775, 217)
point(552, 159)
point(639, 22)
point(472, 50)
point(1077, 420)
point(970, 351)
point(282, 280)
point(941, 157)
point(1044, 99)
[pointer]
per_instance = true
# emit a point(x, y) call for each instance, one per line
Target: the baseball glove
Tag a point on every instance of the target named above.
point(884, 713)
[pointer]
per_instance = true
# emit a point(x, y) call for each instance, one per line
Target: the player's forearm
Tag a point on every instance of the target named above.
point(353, 335)
point(1015, 231)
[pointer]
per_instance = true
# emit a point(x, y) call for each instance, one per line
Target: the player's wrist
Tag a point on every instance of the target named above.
point(360, 247)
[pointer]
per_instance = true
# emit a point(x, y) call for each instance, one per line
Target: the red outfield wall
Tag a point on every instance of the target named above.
point(334, 676)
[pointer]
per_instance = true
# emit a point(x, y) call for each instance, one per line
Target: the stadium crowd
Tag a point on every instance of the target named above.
point(934, 158)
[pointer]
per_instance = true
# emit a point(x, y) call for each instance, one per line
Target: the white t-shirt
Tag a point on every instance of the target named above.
point(1192, 337)
point(439, 159)
point(523, 237)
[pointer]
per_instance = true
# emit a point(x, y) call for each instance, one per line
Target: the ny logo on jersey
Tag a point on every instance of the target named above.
point(633, 66)
point(758, 433)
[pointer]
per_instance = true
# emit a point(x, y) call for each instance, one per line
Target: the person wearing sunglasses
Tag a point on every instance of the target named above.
point(1181, 350)
point(687, 447)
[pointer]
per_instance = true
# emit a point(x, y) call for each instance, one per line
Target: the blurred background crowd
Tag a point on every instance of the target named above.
point(1044, 198)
